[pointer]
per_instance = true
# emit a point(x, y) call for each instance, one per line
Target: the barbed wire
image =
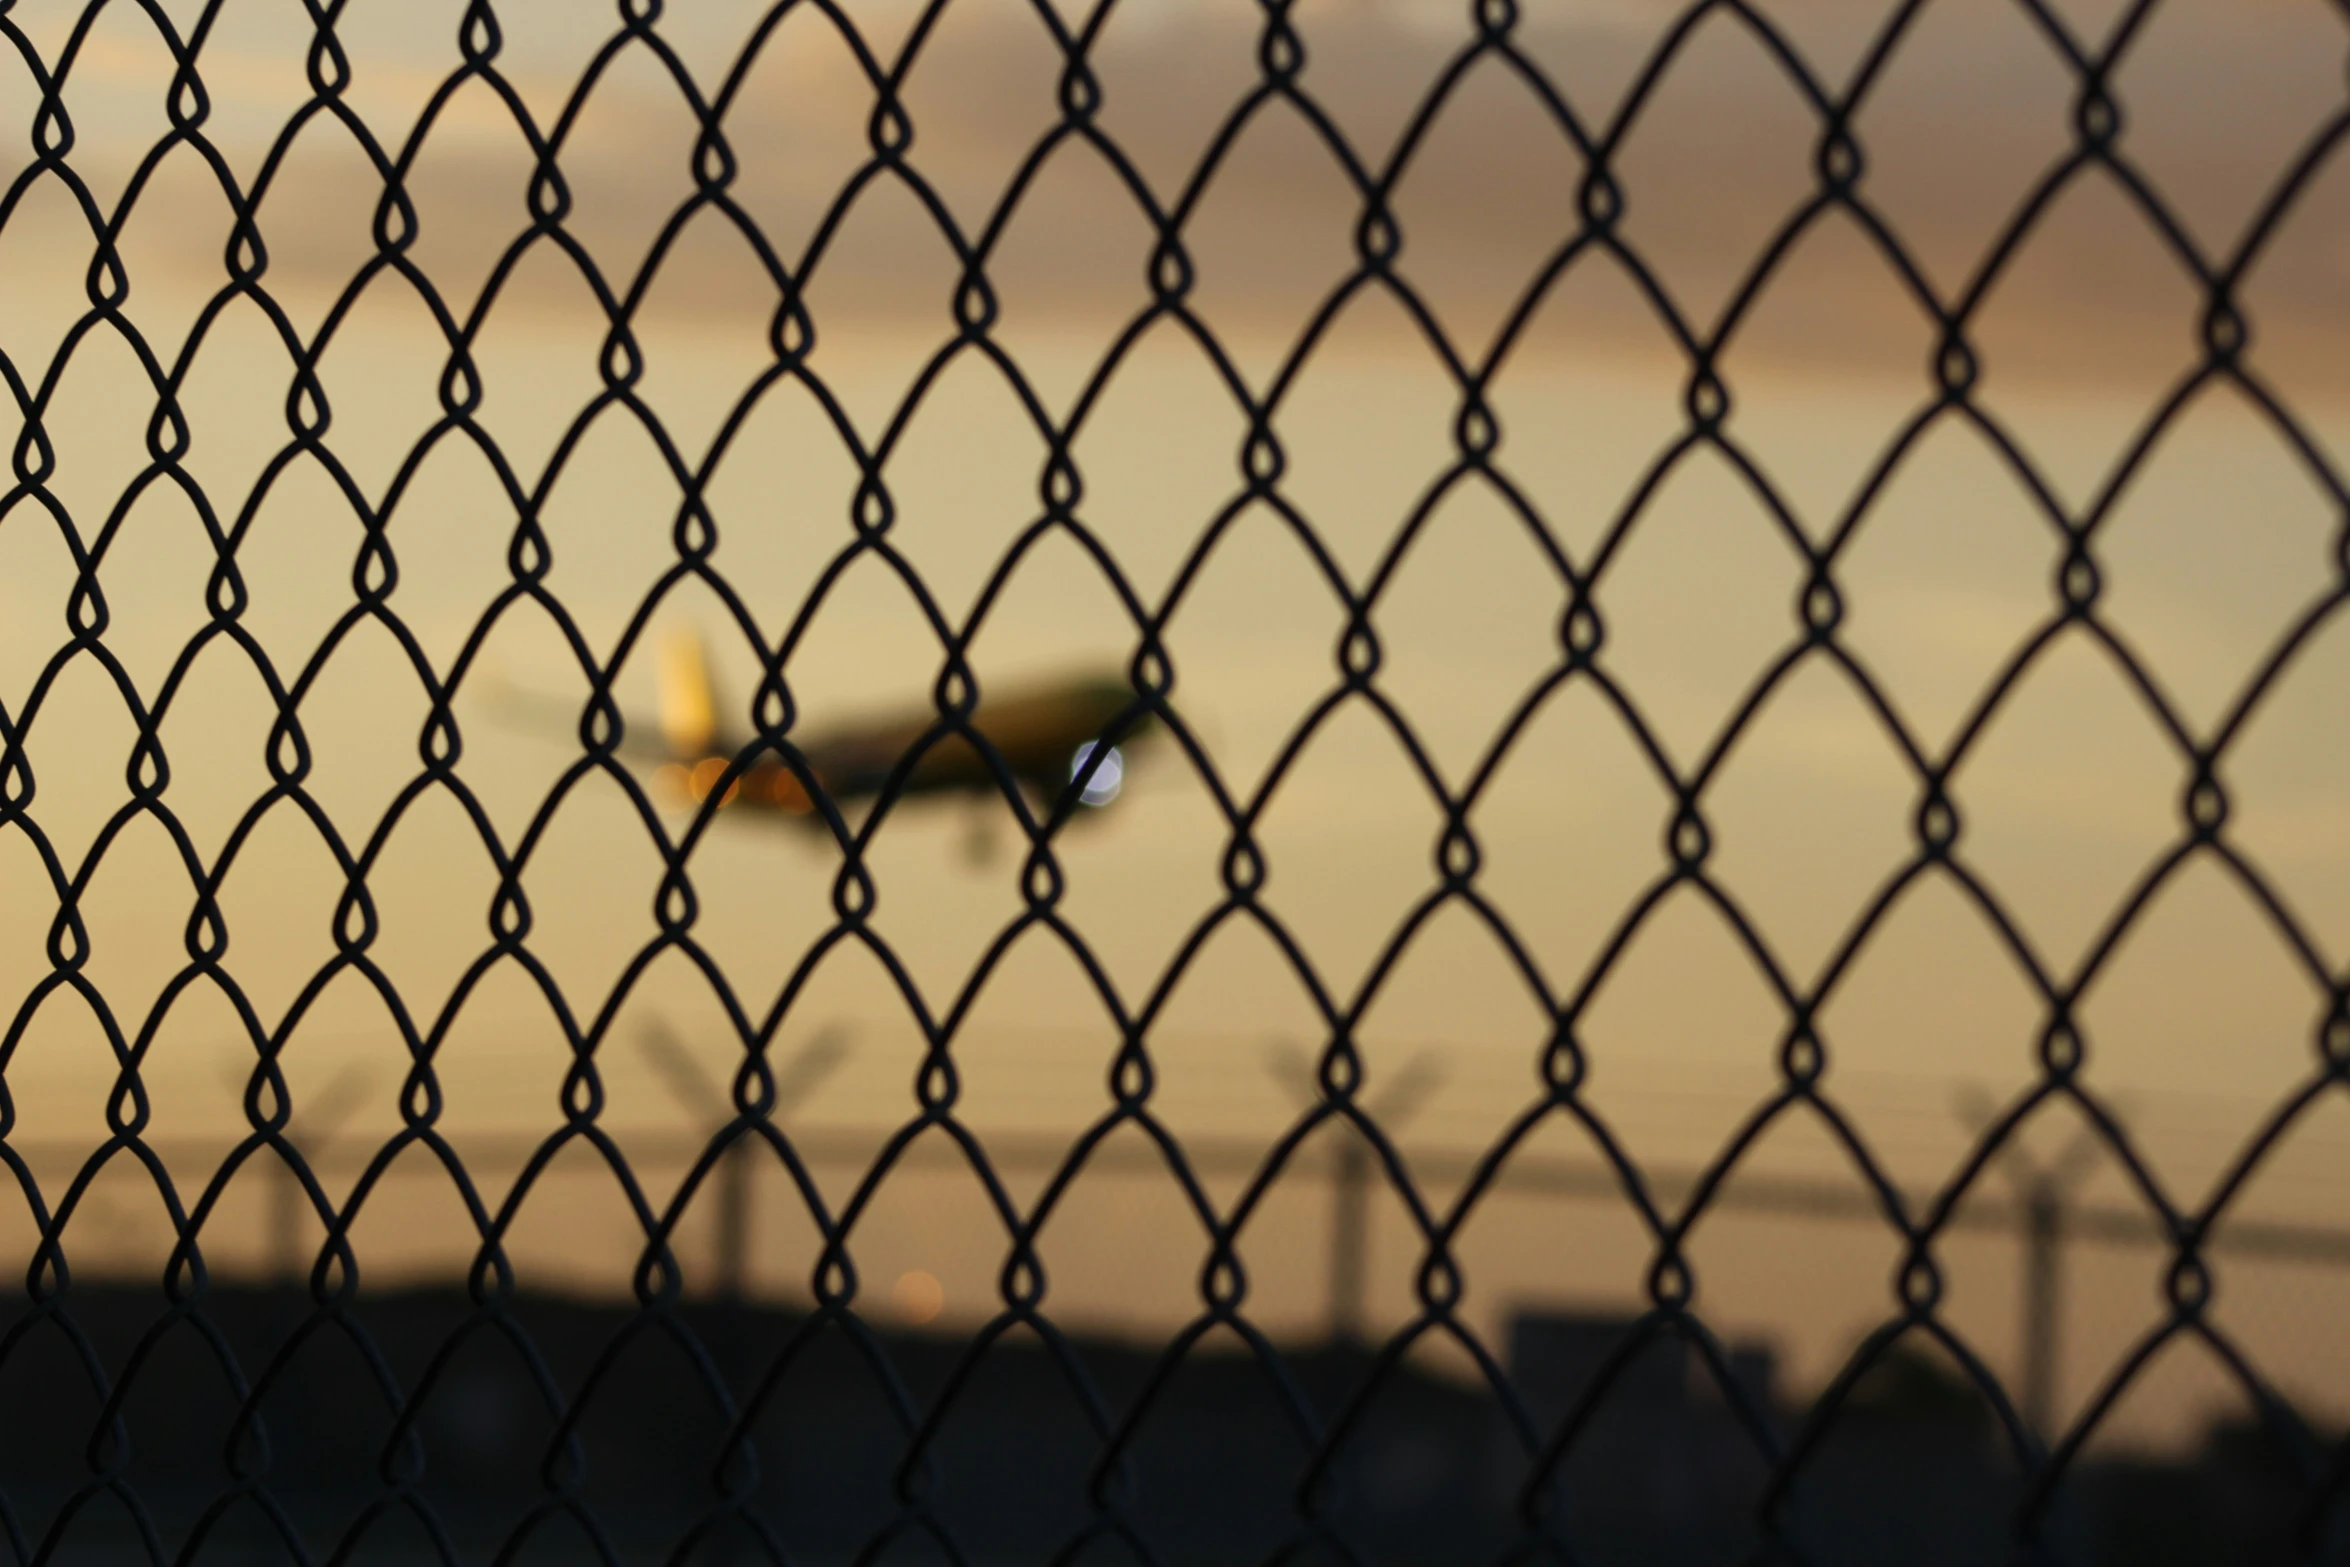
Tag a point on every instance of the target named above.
point(1670, 1210)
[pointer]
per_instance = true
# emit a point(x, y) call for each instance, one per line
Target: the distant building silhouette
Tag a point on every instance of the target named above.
point(1422, 1472)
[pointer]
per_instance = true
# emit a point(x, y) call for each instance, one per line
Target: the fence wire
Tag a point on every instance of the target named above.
point(736, 1506)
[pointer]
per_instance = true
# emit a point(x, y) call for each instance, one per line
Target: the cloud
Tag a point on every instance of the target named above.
point(1969, 117)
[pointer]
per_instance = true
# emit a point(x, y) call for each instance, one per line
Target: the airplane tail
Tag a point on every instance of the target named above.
point(689, 701)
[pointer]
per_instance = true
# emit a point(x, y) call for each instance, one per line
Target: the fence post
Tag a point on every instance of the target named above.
point(2043, 1302)
point(1350, 1213)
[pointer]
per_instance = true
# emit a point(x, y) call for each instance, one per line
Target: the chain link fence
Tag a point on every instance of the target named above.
point(246, 1387)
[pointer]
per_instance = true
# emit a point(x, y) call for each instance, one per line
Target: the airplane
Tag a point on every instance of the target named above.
point(1073, 733)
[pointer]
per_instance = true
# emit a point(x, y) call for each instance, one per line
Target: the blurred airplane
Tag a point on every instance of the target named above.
point(1072, 734)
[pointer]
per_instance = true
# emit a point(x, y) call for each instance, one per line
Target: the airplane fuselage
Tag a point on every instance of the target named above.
point(1044, 737)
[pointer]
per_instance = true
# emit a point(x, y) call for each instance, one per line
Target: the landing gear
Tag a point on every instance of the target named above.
point(981, 836)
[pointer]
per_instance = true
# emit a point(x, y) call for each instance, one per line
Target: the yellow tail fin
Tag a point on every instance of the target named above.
point(689, 706)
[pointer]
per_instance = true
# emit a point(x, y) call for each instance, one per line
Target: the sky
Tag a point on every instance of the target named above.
point(2199, 1024)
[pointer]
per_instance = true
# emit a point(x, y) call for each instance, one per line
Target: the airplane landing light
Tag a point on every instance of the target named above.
point(1107, 779)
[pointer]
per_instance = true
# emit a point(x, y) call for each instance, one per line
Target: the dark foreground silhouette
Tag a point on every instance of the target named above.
point(416, 1427)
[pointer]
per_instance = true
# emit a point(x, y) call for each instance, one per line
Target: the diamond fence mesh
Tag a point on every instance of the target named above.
point(313, 1421)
